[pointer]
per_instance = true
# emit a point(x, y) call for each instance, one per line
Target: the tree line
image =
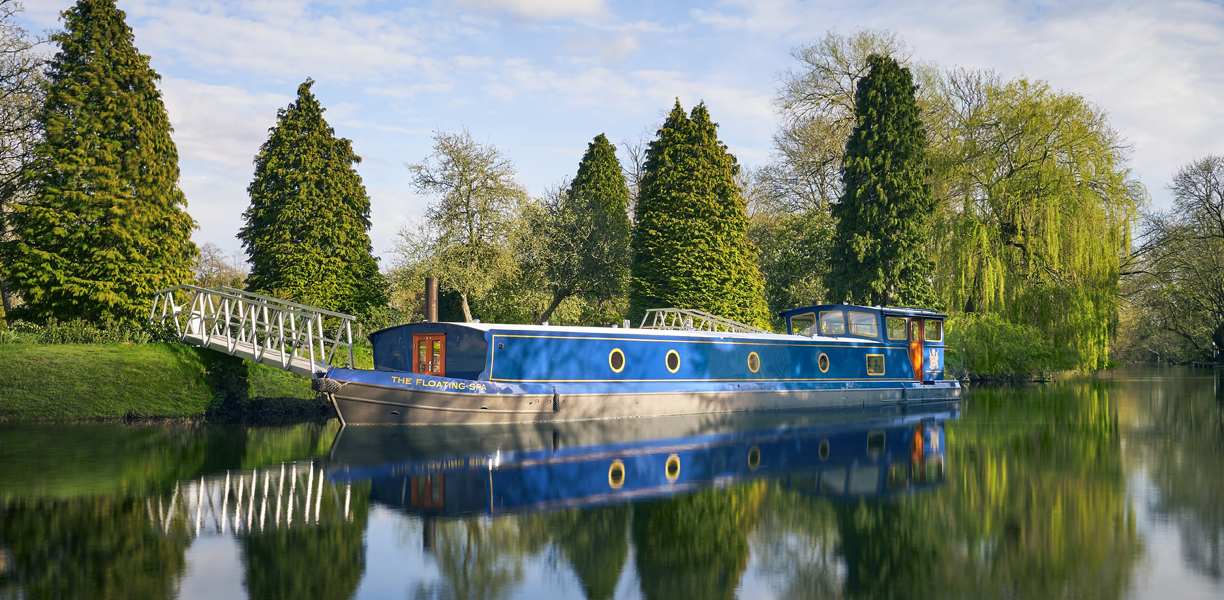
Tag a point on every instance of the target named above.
point(1007, 203)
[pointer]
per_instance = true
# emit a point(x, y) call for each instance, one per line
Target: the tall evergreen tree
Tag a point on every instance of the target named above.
point(883, 218)
point(690, 245)
point(307, 228)
point(586, 241)
point(104, 226)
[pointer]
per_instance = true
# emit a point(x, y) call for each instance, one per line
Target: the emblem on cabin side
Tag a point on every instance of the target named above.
point(933, 359)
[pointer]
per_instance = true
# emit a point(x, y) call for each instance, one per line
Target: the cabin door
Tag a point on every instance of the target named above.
point(915, 347)
point(429, 354)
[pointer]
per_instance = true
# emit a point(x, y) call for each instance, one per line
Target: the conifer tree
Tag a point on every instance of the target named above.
point(690, 244)
point(104, 226)
point(883, 218)
point(586, 231)
point(307, 228)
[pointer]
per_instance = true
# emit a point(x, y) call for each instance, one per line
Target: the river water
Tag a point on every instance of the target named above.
point(1105, 487)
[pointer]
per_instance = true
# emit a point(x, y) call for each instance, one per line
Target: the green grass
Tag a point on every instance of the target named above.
point(101, 381)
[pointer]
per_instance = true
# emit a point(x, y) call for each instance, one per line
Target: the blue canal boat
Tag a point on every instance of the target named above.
point(854, 454)
point(676, 362)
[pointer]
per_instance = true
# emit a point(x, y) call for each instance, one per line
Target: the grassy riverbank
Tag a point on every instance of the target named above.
point(69, 382)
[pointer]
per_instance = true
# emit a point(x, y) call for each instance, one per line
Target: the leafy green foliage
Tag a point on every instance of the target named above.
point(1176, 283)
point(690, 243)
point(585, 231)
point(467, 240)
point(883, 218)
point(1038, 211)
point(307, 228)
point(79, 331)
point(793, 256)
point(104, 226)
point(987, 346)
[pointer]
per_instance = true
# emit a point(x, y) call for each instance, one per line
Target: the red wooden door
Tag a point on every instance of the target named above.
point(429, 354)
point(915, 347)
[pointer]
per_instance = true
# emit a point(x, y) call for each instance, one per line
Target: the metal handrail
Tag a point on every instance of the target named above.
point(254, 326)
point(687, 319)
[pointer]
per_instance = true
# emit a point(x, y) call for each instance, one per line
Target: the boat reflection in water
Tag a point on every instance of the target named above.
point(497, 469)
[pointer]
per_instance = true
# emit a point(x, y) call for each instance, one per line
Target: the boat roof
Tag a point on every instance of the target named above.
point(892, 310)
point(604, 331)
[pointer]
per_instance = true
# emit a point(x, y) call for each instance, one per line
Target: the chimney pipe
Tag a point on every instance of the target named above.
point(431, 299)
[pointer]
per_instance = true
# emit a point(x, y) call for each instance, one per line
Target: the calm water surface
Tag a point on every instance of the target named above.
point(1099, 488)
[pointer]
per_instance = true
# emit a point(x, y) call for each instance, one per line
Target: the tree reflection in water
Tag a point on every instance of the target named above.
point(1187, 467)
point(481, 558)
point(695, 546)
point(595, 542)
point(1035, 507)
point(323, 561)
point(102, 547)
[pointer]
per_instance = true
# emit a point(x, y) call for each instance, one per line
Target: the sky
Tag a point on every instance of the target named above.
point(540, 78)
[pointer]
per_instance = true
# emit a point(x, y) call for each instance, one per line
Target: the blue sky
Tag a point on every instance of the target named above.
point(540, 78)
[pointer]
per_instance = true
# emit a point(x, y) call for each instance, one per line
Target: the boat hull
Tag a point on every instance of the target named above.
point(365, 397)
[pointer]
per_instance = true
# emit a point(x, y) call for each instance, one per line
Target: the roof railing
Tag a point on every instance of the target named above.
point(687, 319)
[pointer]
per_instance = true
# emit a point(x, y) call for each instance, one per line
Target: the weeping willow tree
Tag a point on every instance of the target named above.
point(1039, 204)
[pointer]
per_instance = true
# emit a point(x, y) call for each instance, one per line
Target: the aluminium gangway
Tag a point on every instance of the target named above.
point(259, 328)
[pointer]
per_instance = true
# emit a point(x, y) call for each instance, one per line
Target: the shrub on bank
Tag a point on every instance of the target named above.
point(985, 346)
point(79, 331)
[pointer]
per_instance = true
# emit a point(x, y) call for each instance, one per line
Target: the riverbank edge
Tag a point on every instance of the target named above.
point(141, 382)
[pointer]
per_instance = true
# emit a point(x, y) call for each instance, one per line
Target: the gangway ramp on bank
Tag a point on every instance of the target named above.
point(259, 328)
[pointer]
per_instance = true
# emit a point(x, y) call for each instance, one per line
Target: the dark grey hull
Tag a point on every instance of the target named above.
point(368, 404)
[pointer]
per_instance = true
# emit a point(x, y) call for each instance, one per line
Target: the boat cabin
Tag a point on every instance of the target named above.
point(919, 329)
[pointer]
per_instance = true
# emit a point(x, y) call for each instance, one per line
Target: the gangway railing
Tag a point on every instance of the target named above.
point(685, 319)
point(271, 331)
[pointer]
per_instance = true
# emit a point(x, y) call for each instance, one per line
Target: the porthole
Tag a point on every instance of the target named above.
point(823, 362)
point(824, 450)
point(673, 361)
point(672, 468)
point(754, 458)
point(616, 474)
point(616, 360)
point(754, 362)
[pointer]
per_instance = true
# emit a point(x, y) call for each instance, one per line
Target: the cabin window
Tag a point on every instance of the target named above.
point(823, 362)
point(804, 324)
point(934, 330)
point(863, 324)
point(754, 362)
point(875, 364)
point(832, 322)
point(895, 327)
point(673, 361)
point(916, 330)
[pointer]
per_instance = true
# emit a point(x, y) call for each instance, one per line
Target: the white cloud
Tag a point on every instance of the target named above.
point(289, 40)
point(614, 49)
point(539, 9)
point(217, 123)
